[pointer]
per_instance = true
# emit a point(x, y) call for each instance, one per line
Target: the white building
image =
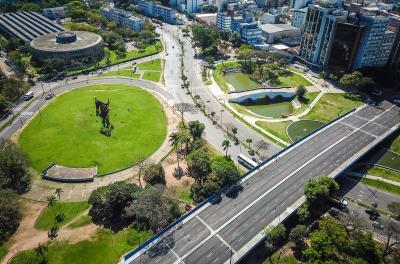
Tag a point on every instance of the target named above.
point(298, 17)
point(122, 18)
point(55, 12)
point(224, 22)
point(275, 32)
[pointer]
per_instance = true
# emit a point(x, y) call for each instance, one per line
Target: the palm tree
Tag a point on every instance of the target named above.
point(175, 139)
point(196, 129)
point(51, 201)
point(61, 215)
point(249, 140)
point(41, 250)
point(225, 145)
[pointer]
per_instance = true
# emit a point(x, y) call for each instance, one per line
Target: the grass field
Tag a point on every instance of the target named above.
point(395, 145)
point(276, 128)
point(272, 110)
point(3, 250)
point(106, 247)
point(218, 74)
point(152, 76)
point(153, 65)
point(293, 80)
point(390, 159)
point(302, 128)
point(331, 106)
point(70, 210)
point(384, 173)
point(81, 221)
point(67, 131)
point(131, 55)
point(125, 72)
point(308, 99)
point(381, 185)
point(241, 81)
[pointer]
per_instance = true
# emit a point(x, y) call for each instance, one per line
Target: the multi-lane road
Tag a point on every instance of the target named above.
point(224, 230)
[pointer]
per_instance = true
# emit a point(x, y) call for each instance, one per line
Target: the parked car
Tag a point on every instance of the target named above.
point(49, 96)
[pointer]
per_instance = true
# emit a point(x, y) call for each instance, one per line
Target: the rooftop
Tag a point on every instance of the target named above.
point(273, 28)
point(49, 41)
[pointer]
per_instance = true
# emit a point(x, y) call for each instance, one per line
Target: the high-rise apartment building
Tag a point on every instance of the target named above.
point(376, 41)
point(224, 22)
point(153, 9)
point(318, 31)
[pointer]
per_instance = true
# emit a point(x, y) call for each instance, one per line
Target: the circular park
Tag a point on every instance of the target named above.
point(108, 126)
point(299, 129)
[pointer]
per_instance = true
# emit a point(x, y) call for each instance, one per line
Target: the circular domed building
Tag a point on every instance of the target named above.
point(67, 45)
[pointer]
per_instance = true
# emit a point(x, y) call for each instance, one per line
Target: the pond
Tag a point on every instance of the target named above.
point(284, 96)
point(272, 110)
point(241, 81)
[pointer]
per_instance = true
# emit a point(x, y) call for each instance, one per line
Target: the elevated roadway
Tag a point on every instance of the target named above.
point(224, 229)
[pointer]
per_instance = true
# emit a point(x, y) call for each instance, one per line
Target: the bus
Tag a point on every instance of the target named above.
point(246, 162)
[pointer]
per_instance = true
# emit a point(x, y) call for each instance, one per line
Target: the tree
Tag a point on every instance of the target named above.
point(51, 201)
point(152, 209)
point(142, 165)
point(10, 214)
point(301, 91)
point(4, 103)
point(175, 140)
point(199, 192)
point(235, 39)
point(320, 189)
point(249, 141)
point(109, 202)
point(350, 80)
point(14, 172)
point(210, 61)
point(154, 174)
point(199, 165)
point(196, 129)
point(297, 236)
point(41, 251)
point(263, 145)
point(394, 207)
point(327, 241)
point(226, 145)
point(274, 236)
point(224, 171)
point(183, 108)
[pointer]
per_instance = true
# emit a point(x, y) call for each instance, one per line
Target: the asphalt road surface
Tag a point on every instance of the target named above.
point(219, 230)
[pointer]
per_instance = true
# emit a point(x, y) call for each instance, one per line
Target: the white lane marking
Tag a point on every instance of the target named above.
point(83, 192)
point(373, 122)
point(360, 129)
point(277, 185)
point(69, 195)
point(213, 232)
point(176, 255)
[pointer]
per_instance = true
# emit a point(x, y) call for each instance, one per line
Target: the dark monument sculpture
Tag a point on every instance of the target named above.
point(103, 110)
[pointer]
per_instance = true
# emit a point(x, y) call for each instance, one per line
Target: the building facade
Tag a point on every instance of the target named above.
point(317, 33)
point(224, 22)
point(122, 18)
point(55, 13)
point(376, 42)
point(250, 33)
point(298, 17)
point(155, 10)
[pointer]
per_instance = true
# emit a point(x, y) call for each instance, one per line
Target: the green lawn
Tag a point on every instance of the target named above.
point(70, 210)
point(395, 144)
point(390, 160)
point(153, 65)
point(272, 110)
point(152, 76)
point(302, 128)
point(107, 247)
point(276, 128)
point(81, 221)
point(131, 55)
point(183, 194)
point(218, 74)
point(308, 99)
point(125, 72)
point(241, 81)
point(67, 131)
point(381, 185)
point(283, 259)
point(384, 173)
point(293, 80)
point(331, 106)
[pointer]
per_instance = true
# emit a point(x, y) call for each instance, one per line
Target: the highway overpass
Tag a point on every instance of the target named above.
point(223, 230)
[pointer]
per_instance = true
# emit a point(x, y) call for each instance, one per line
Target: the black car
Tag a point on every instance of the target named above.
point(49, 96)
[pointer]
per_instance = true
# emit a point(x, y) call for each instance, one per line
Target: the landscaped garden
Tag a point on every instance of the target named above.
point(68, 132)
point(333, 105)
point(242, 81)
point(149, 70)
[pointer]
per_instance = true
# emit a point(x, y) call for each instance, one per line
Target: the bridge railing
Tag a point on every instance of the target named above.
point(176, 224)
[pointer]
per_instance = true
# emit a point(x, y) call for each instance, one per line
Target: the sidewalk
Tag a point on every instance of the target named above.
point(372, 177)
